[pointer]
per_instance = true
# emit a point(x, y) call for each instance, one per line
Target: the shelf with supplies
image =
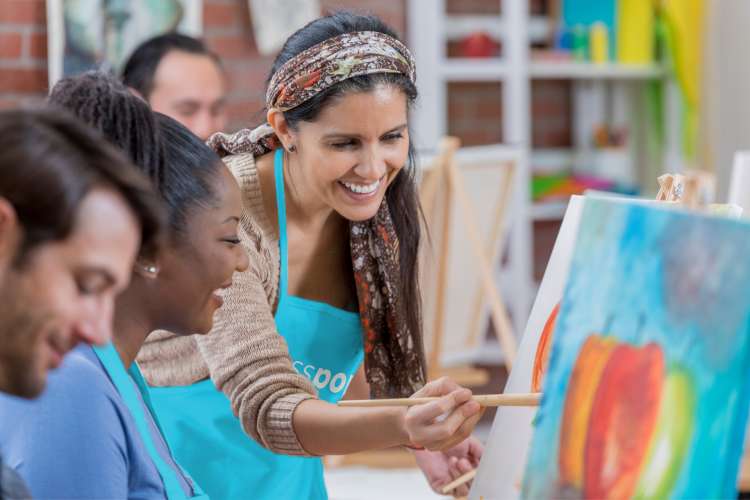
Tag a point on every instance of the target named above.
point(594, 71)
point(548, 210)
point(491, 69)
point(473, 69)
point(458, 26)
point(607, 104)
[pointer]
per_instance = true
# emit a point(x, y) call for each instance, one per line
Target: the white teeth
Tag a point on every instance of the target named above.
point(361, 188)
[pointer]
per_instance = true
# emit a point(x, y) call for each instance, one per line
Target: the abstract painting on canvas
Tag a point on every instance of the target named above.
point(646, 393)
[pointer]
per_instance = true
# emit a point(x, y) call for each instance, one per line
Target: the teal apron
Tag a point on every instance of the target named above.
point(325, 344)
point(123, 382)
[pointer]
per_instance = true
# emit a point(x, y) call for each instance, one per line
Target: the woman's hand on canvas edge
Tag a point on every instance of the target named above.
point(444, 423)
point(443, 467)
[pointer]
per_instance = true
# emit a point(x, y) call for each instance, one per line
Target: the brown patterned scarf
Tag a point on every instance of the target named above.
point(394, 359)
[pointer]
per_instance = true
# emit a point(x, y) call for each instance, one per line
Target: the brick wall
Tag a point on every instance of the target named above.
point(489, 6)
point(23, 51)
point(475, 112)
point(551, 111)
point(227, 30)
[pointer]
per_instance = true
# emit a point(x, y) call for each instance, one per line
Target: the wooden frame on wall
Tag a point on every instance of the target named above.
point(93, 34)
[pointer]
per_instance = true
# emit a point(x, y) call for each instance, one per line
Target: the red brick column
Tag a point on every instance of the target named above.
point(23, 52)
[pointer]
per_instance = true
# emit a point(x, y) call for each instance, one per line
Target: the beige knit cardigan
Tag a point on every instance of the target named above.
point(244, 354)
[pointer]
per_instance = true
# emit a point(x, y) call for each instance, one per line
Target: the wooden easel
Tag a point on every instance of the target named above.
point(444, 182)
point(693, 189)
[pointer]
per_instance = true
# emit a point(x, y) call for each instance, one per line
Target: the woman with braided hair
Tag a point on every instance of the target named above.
point(331, 224)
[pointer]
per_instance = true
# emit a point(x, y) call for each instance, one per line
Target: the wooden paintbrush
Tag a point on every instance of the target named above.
point(459, 482)
point(521, 399)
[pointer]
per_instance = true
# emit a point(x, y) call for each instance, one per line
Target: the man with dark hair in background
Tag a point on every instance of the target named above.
point(181, 78)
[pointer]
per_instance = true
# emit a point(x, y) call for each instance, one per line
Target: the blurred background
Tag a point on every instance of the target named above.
point(552, 97)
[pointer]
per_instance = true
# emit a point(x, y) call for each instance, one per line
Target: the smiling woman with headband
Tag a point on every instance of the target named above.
point(331, 223)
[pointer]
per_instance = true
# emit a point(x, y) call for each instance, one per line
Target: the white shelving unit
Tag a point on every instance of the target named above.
point(553, 210)
point(430, 27)
point(473, 70)
point(590, 71)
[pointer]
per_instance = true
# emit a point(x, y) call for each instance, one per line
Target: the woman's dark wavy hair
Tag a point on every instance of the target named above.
point(178, 163)
point(401, 195)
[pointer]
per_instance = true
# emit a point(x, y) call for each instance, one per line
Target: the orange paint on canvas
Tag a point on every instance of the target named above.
point(541, 360)
point(582, 387)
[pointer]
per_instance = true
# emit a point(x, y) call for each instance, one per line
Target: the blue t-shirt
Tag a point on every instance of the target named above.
point(79, 440)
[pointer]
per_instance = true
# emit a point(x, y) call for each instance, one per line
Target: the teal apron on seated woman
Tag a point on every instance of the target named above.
point(325, 344)
point(123, 382)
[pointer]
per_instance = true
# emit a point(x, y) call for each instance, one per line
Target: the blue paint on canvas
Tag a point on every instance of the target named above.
point(646, 394)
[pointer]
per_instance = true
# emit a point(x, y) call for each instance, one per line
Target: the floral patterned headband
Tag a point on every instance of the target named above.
point(334, 60)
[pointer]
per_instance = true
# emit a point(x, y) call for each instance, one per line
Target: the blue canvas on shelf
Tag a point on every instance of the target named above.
point(588, 12)
point(646, 393)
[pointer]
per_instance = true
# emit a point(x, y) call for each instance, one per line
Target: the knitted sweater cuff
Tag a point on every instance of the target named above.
point(279, 435)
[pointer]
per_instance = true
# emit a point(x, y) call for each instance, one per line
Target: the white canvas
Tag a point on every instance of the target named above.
point(275, 20)
point(501, 469)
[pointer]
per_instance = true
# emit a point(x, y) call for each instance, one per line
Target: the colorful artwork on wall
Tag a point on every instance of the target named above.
point(101, 34)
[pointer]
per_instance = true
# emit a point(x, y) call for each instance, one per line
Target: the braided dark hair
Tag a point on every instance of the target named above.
point(125, 120)
point(178, 163)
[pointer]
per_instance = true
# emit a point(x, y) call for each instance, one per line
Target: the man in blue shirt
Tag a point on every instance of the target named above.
point(73, 214)
point(82, 410)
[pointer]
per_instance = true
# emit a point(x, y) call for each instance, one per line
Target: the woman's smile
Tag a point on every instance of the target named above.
point(361, 191)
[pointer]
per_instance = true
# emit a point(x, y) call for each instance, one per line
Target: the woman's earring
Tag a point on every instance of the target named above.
point(150, 270)
point(292, 148)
